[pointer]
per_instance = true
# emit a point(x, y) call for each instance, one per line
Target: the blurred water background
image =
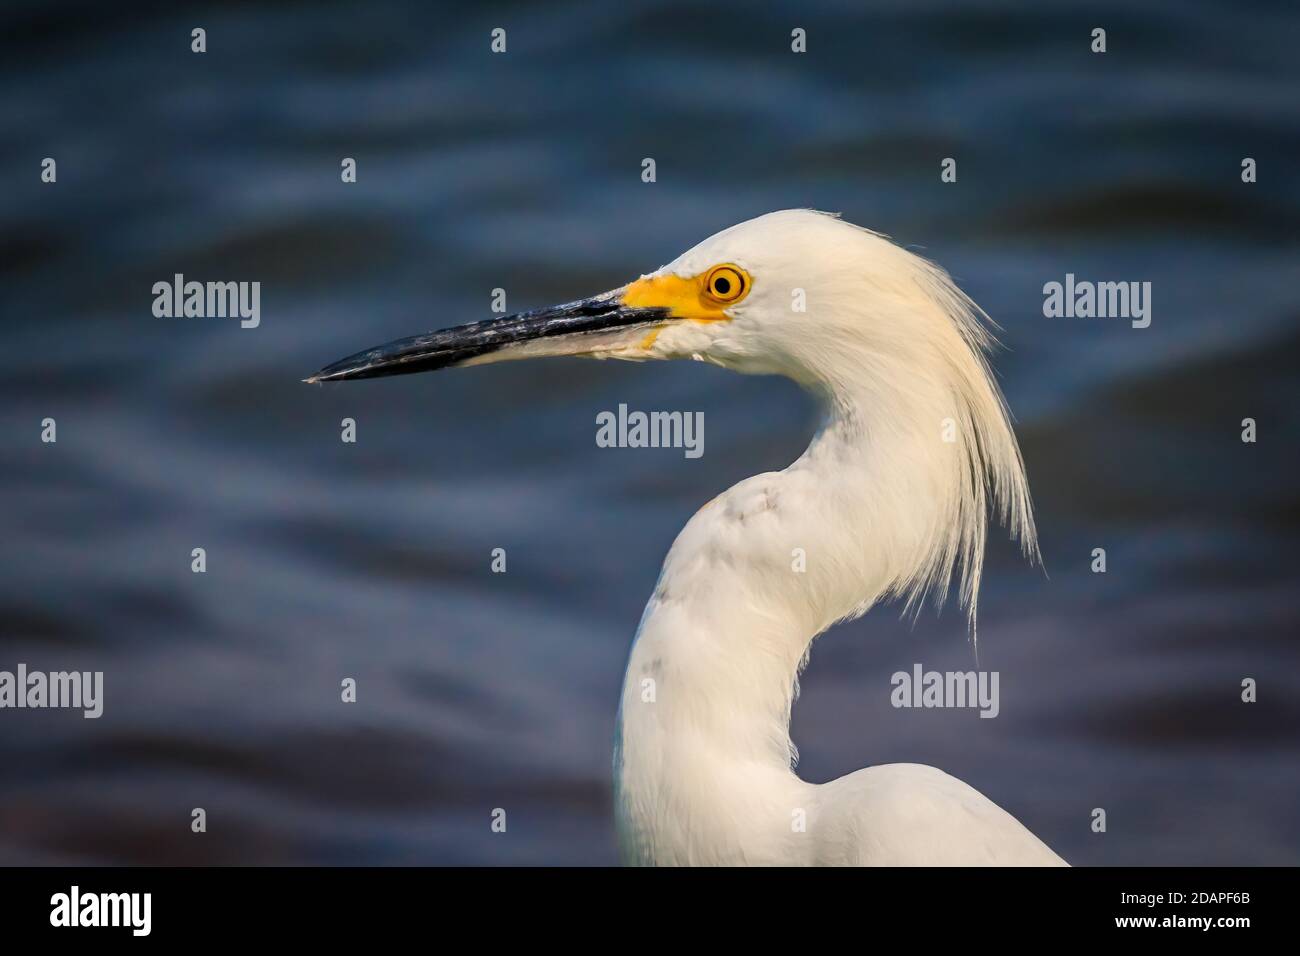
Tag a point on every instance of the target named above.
point(478, 690)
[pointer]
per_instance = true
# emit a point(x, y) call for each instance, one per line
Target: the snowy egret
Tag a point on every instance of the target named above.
point(890, 500)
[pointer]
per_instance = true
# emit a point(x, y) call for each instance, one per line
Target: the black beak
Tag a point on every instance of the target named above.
point(576, 328)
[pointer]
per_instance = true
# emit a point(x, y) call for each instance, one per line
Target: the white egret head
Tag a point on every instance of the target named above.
point(885, 337)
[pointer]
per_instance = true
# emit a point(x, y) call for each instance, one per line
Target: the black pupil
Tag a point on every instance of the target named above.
point(722, 285)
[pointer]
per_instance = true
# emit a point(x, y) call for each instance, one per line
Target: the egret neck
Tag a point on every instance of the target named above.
point(704, 763)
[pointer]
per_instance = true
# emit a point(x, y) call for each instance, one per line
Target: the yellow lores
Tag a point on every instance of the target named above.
point(701, 298)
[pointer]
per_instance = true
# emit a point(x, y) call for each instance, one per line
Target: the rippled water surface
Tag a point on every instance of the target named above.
point(479, 690)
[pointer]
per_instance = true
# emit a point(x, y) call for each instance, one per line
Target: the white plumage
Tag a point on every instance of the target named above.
point(880, 505)
point(891, 500)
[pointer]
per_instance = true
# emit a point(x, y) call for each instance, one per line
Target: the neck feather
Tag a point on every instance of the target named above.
point(888, 501)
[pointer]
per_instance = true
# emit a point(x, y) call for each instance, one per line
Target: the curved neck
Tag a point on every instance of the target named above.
point(703, 768)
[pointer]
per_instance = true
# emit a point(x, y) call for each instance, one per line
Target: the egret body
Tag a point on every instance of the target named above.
point(890, 501)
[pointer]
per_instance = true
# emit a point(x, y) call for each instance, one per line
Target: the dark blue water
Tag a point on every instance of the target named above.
point(371, 560)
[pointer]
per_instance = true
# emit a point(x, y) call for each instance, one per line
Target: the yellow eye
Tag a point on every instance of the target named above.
point(726, 284)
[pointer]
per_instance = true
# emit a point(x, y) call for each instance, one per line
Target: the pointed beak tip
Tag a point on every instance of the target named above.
point(340, 371)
